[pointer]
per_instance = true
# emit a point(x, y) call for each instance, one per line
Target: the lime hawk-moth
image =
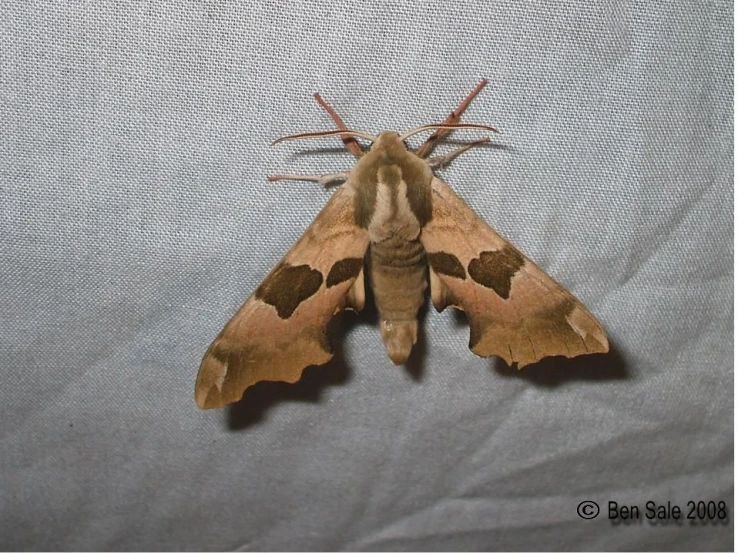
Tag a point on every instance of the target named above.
point(399, 226)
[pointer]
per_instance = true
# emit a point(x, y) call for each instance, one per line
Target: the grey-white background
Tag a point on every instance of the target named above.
point(136, 217)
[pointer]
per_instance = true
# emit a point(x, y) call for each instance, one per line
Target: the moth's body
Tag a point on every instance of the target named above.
point(394, 219)
point(392, 188)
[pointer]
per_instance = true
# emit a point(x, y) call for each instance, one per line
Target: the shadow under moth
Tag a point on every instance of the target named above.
point(397, 224)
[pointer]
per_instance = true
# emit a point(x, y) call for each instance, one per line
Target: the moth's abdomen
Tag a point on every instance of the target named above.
point(397, 271)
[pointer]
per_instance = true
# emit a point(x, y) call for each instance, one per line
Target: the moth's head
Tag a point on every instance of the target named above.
point(388, 141)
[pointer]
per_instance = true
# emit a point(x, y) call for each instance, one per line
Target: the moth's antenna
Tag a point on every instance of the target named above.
point(319, 134)
point(447, 126)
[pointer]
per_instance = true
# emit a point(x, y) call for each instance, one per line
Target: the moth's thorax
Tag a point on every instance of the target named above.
point(393, 190)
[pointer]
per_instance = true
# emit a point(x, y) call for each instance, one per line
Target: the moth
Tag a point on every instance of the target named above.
point(394, 223)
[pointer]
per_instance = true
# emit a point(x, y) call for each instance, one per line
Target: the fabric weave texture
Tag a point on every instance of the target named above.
point(136, 218)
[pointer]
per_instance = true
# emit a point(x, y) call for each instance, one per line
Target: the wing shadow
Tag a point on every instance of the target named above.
point(556, 370)
point(261, 397)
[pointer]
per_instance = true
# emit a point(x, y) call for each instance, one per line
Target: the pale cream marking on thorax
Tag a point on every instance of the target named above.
point(392, 214)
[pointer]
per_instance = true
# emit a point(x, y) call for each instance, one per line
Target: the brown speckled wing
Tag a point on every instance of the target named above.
point(515, 310)
point(282, 327)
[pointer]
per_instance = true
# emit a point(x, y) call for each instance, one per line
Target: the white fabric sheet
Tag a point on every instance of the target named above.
point(136, 218)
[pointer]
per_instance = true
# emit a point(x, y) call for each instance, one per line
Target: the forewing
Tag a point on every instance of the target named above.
point(515, 310)
point(282, 327)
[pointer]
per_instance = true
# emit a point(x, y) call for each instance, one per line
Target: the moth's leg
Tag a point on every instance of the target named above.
point(453, 118)
point(324, 180)
point(350, 143)
point(440, 161)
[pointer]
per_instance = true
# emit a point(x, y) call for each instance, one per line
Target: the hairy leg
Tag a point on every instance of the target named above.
point(350, 143)
point(452, 119)
point(325, 180)
point(440, 161)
